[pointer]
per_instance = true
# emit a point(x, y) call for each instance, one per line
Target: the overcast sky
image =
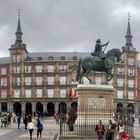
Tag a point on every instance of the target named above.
point(68, 25)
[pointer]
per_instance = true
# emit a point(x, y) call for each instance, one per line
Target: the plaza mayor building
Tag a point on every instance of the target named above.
point(45, 81)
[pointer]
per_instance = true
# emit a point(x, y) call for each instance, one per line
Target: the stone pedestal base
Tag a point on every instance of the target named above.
point(94, 103)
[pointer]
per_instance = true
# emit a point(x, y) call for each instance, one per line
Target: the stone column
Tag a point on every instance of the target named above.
point(0, 106)
point(45, 106)
point(23, 108)
point(11, 107)
point(34, 107)
point(56, 107)
point(8, 106)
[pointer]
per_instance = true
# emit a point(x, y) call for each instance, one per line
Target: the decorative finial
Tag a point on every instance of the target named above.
point(129, 16)
point(19, 12)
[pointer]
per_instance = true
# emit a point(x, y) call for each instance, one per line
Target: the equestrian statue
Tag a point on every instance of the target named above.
point(98, 61)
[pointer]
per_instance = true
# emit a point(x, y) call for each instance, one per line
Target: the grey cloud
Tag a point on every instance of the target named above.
point(58, 25)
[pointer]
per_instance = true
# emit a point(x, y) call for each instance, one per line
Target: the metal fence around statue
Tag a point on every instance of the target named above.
point(73, 129)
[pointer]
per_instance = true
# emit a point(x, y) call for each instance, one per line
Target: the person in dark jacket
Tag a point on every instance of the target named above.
point(25, 121)
point(39, 126)
point(18, 120)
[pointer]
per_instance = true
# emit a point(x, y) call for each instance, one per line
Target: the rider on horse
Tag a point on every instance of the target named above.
point(98, 49)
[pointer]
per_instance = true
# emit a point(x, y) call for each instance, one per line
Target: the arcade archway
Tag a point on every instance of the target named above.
point(17, 108)
point(39, 107)
point(50, 109)
point(74, 105)
point(130, 109)
point(28, 108)
point(62, 108)
point(119, 108)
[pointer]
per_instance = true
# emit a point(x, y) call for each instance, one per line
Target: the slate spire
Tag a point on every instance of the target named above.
point(18, 32)
point(128, 33)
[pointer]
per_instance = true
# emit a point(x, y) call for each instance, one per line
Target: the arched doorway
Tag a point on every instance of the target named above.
point(62, 108)
point(130, 109)
point(119, 108)
point(17, 108)
point(28, 108)
point(4, 107)
point(39, 108)
point(74, 105)
point(50, 109)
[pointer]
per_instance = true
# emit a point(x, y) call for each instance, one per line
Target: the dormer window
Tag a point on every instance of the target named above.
point(39, 58)
point(63, 58)
point(28, 58)
point(50, 58)
point(74, 57)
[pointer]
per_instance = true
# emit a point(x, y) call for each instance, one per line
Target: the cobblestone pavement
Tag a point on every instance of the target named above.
point(50, 131)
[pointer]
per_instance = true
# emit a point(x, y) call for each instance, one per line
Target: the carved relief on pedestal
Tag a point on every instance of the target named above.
point(97, 103)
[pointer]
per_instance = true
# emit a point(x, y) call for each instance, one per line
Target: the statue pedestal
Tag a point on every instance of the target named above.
point(95, 102)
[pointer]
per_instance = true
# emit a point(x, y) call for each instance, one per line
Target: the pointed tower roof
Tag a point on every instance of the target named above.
point(128, 34)
point(18, 32)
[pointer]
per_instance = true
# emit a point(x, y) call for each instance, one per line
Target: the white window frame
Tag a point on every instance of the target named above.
point(16, 93)
point(3, 70)
point(39, 80)
point(120, 94)
point(28, 69)
point(28, 80)
point(50, 93)
point(38, 68)
point(16, 69)
point(28, 93)
point(3, 93)
point(63, 68)
point(131, 71)
point(39, 93)
point(120, 82)
point(130, 61)
point(120, 70)
point(131, 95)
point(4, 82)
point(63, 80)
point(51, 68)
point(50, 80)
point(131, 83)
point(63, 93)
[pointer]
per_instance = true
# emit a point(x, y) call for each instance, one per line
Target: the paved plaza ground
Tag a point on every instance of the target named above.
point(50, 132)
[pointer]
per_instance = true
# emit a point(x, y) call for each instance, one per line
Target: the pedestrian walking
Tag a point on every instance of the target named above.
point(30, 127)
point(121, 131)
point(111, 129)
point(18, 120)
point(100, 130)
point(39, 126)
point(25, 121)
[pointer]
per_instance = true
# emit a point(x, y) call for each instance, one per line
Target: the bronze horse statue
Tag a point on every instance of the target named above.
point(95, 63)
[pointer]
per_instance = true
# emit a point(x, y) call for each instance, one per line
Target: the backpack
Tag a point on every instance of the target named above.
point(40, 126)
